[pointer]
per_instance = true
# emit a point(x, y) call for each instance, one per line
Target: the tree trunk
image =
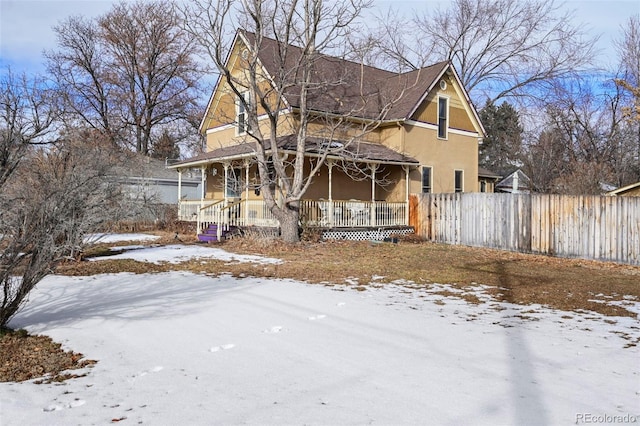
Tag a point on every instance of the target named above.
point(289, 223)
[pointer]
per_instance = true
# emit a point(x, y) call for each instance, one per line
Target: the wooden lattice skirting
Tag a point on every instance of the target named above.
point(364, 234)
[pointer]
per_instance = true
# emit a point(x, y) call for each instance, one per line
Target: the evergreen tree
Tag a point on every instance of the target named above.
point(502, 146)
point(165, 147)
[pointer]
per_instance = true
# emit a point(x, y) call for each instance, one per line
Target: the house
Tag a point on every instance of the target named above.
point(148, 180)
point(422, 135)
point(487, 180)
point(632, 190)
point(515, 183)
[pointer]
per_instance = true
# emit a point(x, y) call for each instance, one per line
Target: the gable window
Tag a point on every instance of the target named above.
point(459, 180)
point(241, 114)
point(426, 180)
point(443, 117)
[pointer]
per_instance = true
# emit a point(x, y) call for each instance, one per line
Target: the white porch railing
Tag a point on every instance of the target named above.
point(313, 213)
point(353, 213)
point(188, 210)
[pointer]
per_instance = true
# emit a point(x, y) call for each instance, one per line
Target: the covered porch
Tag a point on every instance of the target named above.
point(231, 196)
point(313, 213)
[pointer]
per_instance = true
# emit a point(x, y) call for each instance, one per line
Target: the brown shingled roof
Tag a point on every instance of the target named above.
point(345, 87)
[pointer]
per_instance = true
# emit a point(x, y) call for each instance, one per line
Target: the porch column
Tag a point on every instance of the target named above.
point(179, 186)
point(406, 199)
point(330, 167)
point(203, 180)
point(330, 206)
point(372, 211)
point(246, 163)
point(226, 182)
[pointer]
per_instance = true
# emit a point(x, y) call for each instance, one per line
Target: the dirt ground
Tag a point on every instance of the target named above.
point(565, 284)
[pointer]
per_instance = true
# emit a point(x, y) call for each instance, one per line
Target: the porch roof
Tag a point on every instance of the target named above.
point(364, 152)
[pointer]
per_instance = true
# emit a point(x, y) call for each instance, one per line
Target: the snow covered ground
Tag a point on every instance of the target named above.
point(181, 348)
point(113, 238)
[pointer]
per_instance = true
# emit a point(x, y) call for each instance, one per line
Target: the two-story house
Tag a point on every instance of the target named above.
point(398, 134)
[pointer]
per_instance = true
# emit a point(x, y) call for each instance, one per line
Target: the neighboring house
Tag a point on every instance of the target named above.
point(487, 180)
point(148, 180)
point(427, 142)
point(632, 190)
point(515, 183)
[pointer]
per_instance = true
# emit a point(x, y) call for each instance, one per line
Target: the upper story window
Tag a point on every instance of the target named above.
point(443, 117)
point(459, 181)
point(426, 180)
point(242, 120)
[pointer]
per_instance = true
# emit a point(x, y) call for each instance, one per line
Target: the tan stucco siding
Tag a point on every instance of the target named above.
point(228, 135)
point(459, 117)
point(458, 152)
point(390, 185)
point(215, 180)
point(222, 108)
point(392, 137)
point(347, 132)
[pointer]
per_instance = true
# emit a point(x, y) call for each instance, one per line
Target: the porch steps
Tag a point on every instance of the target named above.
point(210, 234)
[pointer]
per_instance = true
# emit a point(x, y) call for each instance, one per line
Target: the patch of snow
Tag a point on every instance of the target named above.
point(177, 253)
point(114, 238)
point(124, 248)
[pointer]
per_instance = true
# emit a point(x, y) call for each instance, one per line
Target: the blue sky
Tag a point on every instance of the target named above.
point(25, 25)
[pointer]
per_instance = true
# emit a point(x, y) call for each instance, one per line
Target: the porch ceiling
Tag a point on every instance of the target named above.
point(364, 152)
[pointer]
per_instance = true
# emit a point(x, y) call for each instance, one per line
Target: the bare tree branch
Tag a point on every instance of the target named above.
point(501, 48)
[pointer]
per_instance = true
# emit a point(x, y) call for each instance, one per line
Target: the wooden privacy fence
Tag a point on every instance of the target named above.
point(590, 227)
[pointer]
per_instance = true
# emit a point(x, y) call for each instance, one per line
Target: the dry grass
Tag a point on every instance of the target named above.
point(25, 357)
point(567, 284)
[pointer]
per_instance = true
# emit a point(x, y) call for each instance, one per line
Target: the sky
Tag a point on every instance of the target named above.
point(26, 25)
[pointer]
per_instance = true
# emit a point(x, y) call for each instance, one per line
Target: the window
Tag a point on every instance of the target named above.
point(234, 183)
point(426, 180)
point(443, 117)
point(483, 186)
point(241, 114)
point(459, 180)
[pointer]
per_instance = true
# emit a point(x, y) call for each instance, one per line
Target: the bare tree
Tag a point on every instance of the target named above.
point(128, 73)
point(592, 140)
point(545, 160)
point(50, 194)
point(501, 48)
point(27, 115)
point(55, 196)
point(628, 47)
point(295, 37)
